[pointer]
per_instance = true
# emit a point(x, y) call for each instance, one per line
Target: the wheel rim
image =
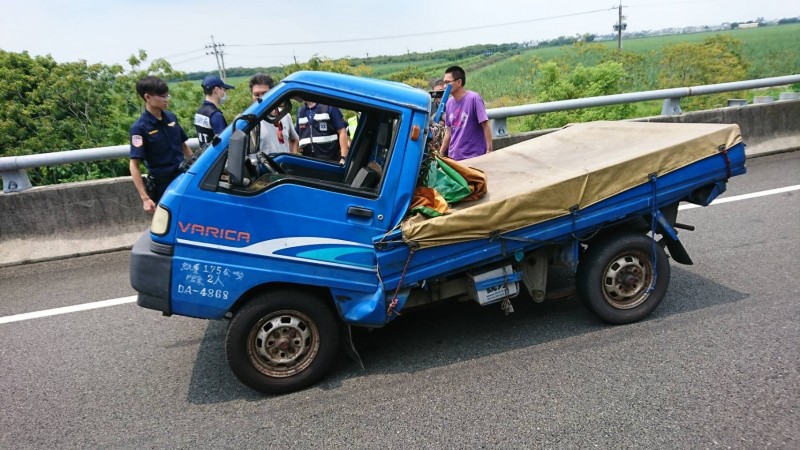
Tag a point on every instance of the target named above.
point(626, 280)
point(283, 343)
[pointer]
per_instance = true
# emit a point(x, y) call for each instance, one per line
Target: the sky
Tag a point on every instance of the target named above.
point(263, 34)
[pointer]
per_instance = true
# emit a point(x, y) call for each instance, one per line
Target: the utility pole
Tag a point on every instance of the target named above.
point(218, 52)
point(619, 26)
point(222, 58)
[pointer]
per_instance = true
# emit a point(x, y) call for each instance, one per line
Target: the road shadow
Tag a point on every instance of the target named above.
point(212, 380)
point(452, 332)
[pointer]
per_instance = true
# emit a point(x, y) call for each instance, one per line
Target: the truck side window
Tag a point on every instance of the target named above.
point(371, 137)
point(370, 151)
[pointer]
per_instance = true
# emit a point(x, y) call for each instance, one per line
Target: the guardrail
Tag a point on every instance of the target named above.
point(670, 107)
point(15, 178)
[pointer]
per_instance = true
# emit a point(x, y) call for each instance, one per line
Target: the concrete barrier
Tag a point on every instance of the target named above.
point(70, 219)
point(52, 222)
point(766, 128)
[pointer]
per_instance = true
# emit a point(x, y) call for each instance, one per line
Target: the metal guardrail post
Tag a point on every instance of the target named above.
point(671, 107)
point(499, 127)
point(15, 180)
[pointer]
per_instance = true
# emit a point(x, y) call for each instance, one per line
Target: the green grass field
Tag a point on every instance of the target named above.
point(772, 51)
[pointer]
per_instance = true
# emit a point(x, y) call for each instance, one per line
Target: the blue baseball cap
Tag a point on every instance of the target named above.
point(213, 81)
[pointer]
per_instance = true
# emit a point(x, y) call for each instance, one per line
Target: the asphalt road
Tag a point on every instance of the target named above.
point(716, 366)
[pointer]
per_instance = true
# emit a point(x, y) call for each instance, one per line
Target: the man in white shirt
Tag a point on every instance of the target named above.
point(282, 138)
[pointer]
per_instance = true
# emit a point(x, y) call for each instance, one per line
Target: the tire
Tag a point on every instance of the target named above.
point(282, 341)
point(615, 273)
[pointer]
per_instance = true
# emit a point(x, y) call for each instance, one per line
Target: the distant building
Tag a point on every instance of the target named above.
point(748, 25)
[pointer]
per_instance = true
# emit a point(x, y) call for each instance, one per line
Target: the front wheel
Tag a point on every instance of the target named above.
point(623, 278)
point(282, 341)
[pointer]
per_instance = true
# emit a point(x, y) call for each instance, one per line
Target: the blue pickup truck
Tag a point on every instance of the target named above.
point(295, 251)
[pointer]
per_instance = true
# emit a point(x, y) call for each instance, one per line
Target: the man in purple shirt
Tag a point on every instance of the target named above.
point(467, 131)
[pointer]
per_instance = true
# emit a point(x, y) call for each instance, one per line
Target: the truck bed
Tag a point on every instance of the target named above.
point(570, 169)
point(564, 186)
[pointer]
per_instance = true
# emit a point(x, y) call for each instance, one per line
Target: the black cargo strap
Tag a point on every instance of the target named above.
point(724, 151)
point(653, 221)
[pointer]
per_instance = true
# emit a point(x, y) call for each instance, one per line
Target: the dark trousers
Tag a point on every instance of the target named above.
point(155, 185)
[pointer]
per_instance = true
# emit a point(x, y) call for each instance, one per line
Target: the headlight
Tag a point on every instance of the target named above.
point(160, 224)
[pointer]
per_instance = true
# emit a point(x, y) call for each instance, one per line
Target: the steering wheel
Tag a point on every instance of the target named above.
point(269, 163)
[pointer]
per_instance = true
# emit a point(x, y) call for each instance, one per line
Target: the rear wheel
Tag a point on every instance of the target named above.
point(623, 278)
point(282, 341)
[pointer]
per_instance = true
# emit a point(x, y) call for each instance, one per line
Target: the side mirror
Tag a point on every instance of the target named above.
point(280, 110)
point(236, 169)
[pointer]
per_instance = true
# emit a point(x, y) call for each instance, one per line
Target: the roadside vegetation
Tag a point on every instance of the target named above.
point(49, 106)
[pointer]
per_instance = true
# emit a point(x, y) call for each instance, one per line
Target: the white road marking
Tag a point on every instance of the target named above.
point(67, 309)
point(736, 198)
point(131, 299)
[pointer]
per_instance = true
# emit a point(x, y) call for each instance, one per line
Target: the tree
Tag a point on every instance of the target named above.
point(717, 59)
point(328, 65)
point(47, 106)
point(413, 76)
point(558, 83)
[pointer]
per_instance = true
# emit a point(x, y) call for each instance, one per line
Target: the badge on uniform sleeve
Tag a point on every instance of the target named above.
point(136, 140)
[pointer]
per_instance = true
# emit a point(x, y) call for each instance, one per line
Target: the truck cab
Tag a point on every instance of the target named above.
point(238, 225)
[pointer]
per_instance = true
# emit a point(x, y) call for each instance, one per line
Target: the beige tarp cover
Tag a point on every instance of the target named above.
point(542, 178)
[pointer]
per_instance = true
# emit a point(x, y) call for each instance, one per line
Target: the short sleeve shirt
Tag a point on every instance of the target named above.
point(159, 143)
point(274, 140)
point(464, 118)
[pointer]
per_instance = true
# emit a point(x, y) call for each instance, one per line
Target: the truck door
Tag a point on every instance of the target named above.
point(298, 219)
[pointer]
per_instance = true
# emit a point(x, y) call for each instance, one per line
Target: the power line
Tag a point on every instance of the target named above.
point(188, 60)
point(427, 33)
point(243, 55)
point(182, 53)
point(693, 2)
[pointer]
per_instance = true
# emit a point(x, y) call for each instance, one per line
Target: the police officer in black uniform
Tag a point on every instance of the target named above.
point(322, 131)
point(209, 121)
point(157, 139)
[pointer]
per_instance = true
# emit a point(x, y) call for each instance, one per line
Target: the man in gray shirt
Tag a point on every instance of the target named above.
point(282, 138)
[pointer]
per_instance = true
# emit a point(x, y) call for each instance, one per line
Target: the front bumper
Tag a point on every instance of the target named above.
point(151, 275)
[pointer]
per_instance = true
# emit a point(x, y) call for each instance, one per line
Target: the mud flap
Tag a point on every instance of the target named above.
point(670, 238)
point(676, 250)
